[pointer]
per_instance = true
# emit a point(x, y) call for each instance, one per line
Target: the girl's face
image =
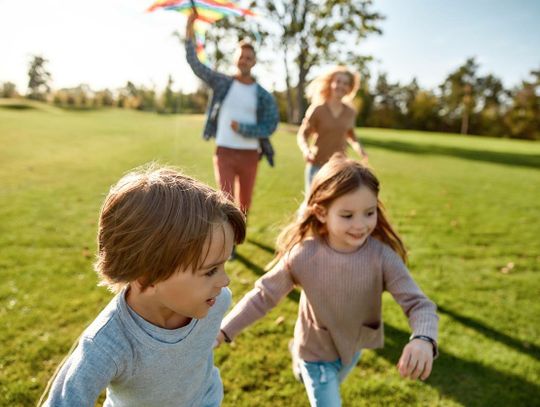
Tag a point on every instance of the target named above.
point(350, 219)
point(341, 85)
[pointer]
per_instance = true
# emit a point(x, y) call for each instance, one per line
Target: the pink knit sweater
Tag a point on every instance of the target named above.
point(341, 301)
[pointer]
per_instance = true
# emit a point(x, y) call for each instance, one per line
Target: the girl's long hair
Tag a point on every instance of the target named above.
point(318, 91)
point(336, 178)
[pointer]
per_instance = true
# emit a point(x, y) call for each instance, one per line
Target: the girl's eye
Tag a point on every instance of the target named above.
point(211, 272)
point(371, 213)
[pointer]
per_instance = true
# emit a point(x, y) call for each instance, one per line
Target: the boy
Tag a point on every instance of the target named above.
point(163, 240)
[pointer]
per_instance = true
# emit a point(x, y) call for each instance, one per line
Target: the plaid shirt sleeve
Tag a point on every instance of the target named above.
point(267, 117)
point(209, 76)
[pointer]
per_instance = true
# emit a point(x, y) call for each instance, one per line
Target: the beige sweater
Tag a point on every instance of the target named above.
point(328, 132)
point(341, 301)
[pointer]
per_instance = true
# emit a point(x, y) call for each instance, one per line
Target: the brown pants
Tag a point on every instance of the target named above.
point(235, 172)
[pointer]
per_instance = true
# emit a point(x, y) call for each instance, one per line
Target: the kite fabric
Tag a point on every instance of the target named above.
point(208, 12)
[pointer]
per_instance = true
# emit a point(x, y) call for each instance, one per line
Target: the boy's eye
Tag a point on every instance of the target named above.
point(211, 272)
point(346, 216)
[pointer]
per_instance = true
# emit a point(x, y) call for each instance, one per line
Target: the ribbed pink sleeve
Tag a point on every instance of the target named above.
point(268, 291)
point(420, 311)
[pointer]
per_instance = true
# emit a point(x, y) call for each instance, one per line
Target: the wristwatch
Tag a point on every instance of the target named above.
point(427, 339)
point(225, 336)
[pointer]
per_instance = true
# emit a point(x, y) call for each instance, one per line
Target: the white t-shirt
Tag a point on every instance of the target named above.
point(240, 104)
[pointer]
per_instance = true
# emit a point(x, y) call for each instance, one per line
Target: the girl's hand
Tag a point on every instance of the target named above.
point(416, 360)
point(219, 339)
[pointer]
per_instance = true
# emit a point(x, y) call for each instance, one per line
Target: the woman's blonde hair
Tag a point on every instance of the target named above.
point(318, 91)
point(338, 177)
point(156, 221)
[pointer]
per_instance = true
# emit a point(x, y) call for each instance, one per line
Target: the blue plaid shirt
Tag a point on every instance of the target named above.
point(267, 111)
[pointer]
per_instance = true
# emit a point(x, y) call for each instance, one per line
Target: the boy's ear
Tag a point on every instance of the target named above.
point(139, 283)
point(320, 213)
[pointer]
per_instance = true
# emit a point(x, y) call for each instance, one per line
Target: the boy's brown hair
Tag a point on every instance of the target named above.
point(157, 221)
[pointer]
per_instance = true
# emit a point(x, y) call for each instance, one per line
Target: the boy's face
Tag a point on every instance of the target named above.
point(190, 294)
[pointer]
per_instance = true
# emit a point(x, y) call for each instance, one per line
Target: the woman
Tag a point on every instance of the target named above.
point(329, 122)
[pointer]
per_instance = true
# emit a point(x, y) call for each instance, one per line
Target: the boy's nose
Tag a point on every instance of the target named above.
point(225, 280)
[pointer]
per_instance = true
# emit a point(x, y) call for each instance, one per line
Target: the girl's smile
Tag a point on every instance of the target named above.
point(350, 219)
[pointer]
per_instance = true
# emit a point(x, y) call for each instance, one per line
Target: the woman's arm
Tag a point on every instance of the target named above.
point(305, 132)
point(355, 144)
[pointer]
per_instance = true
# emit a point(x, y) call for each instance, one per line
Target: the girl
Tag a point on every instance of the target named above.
point(344, 253)
point(329, 120)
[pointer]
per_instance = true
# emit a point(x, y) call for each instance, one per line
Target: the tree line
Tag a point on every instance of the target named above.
point(464, 102)
point(309, 34)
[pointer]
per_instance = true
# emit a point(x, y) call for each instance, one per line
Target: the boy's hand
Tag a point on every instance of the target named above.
point(416, 360)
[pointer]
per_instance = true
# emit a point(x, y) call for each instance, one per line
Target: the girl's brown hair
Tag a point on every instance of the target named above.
point(157, 221)
point(318, 91)
point(338, 177)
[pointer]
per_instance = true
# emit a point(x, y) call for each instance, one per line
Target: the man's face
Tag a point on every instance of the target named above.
point(245, 60)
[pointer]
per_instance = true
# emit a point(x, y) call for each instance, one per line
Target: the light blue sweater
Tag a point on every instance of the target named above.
point(141, 364)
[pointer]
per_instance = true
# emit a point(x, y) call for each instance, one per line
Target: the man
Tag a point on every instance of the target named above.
point(241, 116)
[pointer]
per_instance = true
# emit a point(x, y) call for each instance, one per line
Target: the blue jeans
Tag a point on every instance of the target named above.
point(322, 380)
point(309, 173)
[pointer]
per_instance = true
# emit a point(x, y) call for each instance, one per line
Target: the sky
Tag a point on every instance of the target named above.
point(105, 43)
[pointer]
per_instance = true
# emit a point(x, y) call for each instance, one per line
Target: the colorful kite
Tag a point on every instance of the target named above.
point(208, 12)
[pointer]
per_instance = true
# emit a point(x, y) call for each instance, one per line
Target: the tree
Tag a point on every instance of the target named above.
point(316, 32)
point(492, 100)
point(8, 90)
point(388, 104)
point(169, 101)
point(459, 93)
point(523, 118)
point(38, 78)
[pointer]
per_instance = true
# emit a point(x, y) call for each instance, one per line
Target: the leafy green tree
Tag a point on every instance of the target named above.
point(388, 104)
point(38, 78)
point(459, 94)
point(103, 98)
point(8, 90)
point(317, 32)
point(492, 102)
point(423, 111)
point(169, 100)
point(523, 118)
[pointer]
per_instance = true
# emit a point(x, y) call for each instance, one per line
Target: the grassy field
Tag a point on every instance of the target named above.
point(467, 207)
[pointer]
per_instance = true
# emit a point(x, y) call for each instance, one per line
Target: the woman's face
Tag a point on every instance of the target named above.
point(340, 86)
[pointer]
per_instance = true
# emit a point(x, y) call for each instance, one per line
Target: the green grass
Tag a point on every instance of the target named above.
point(466, 207)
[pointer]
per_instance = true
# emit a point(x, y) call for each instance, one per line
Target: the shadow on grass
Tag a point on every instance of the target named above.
point(262, 246)
point(513, 159)
point(16, 106)
point(526, 348)
point(467, 382)
point(259, 271)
